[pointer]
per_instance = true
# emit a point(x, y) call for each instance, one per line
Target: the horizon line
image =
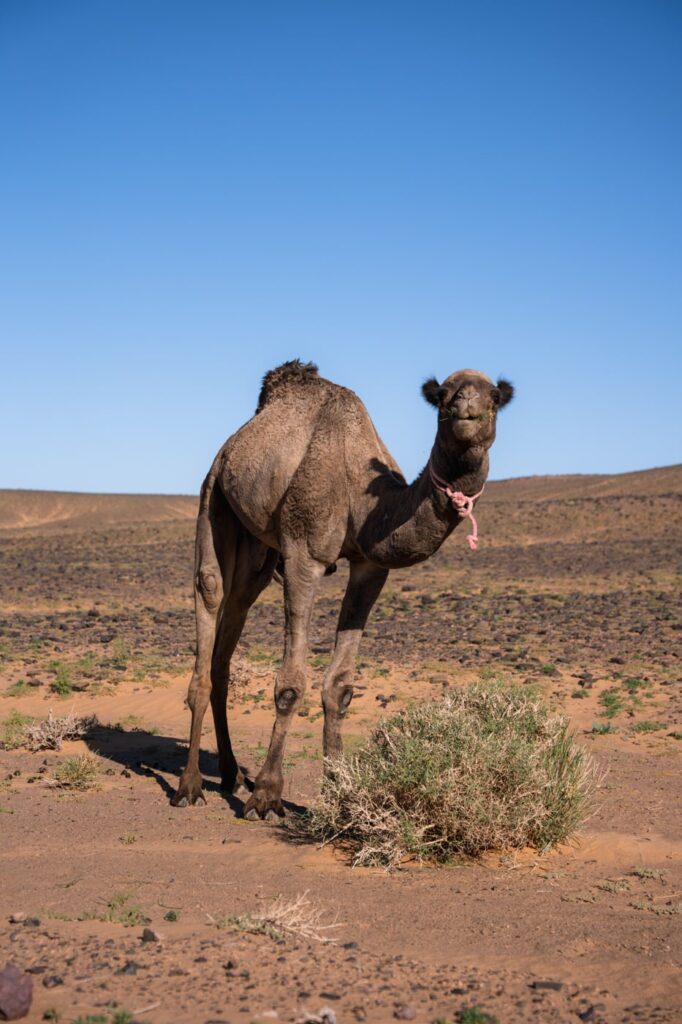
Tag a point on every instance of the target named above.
point(180, 494)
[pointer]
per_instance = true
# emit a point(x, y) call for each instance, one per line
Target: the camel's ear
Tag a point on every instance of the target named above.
point(432, 391)
point(503, 393)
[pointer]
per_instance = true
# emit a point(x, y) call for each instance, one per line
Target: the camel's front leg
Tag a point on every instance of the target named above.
point(364, 586)
point(301, 577)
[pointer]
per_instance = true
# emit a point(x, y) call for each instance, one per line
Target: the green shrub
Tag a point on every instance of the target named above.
point(62, 684)
point(475, 1015)
point(612, 702)
point(18, 689)
point(13, 730)
point(486, 767)
point(79, 772)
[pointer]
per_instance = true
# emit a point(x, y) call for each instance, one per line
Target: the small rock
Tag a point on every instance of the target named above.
point(31, 922)
point(404, 1012)
point(17, 918)
point(16, 993)
point(129, 967)
point(52, 981)
point(554, 986)
point(350, 945)
point(151, 935)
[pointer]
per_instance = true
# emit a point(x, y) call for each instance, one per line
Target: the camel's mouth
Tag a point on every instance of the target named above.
point(466, 428)
point(468, 419)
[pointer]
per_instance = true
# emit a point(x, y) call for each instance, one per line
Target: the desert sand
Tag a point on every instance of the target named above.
point(575, 589)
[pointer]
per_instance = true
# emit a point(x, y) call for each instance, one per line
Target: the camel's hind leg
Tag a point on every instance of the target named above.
point(254, 566)
point(232, 568)
point(216, 544)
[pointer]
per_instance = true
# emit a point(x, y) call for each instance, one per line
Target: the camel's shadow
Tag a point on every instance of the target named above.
point(153, 757)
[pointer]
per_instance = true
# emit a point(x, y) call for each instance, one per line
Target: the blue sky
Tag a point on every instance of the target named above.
point(193, 192)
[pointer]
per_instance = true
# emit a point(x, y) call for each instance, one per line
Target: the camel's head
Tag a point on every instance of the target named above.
point(467, 403)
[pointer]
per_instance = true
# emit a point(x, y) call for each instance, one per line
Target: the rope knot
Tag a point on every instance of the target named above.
point(463, 504)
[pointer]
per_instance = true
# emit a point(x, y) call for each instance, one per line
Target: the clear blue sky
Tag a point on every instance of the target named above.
point(192, 192)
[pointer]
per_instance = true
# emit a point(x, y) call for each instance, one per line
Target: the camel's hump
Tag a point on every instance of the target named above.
point(292, 372)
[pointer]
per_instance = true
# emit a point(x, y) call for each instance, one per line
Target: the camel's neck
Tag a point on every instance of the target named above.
point(410, 522)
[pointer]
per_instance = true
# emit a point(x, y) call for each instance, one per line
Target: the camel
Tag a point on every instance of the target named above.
point(305, 482)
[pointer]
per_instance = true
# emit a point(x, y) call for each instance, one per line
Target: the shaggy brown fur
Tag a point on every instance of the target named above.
point(308, 480)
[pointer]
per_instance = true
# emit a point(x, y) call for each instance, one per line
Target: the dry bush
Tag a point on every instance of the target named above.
point(485, 768)
point(51, 733)
point(77, 773)
point(297, 916)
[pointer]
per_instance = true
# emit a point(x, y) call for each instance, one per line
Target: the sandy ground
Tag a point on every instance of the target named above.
point(566, 594)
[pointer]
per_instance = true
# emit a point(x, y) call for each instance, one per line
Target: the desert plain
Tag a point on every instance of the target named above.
point(575, 591)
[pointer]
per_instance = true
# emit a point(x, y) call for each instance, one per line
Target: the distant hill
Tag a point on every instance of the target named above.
point(528, 510)
point(68, 509)
point(643, 482)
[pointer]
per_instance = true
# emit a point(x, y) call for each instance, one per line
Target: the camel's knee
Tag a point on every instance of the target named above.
point(336, 699)
point(289, 693)
point(210, 587)
point(198, 692)
point(287, 699)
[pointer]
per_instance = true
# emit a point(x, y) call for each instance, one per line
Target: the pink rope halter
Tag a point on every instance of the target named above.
point(462, 504)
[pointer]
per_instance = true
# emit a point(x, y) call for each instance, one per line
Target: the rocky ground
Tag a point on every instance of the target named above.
point(574, 590)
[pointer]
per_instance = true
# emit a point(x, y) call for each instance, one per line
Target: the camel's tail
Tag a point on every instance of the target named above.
point(211, 578)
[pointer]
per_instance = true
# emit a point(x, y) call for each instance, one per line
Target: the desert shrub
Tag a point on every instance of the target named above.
point(62, 684)
point(13, 730)
point(487, 767)
point(298, 916)
point(77, 773)
point(52, 731)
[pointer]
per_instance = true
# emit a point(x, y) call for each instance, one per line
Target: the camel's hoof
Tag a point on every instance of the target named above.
point(262, 809)
point(188, 795)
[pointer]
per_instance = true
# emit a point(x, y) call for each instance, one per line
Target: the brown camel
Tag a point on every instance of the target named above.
point(308, 481)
